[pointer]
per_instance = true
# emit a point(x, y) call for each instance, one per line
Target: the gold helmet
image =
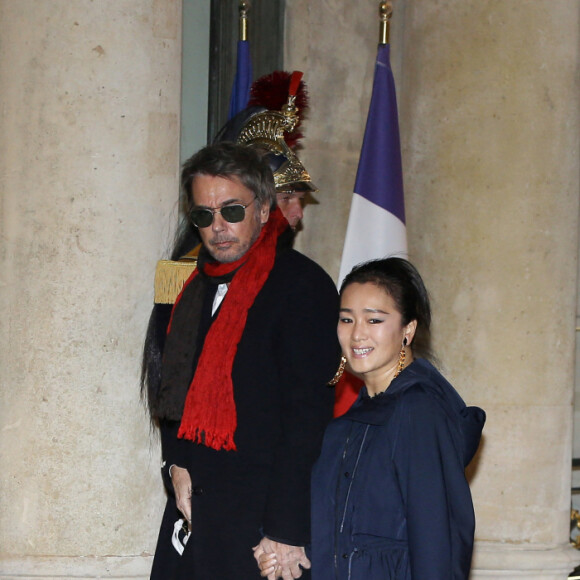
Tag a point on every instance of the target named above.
point(269, 131)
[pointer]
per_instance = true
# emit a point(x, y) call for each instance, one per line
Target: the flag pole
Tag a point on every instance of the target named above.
point(385, 13)
point(243, 77)
point(244, 7)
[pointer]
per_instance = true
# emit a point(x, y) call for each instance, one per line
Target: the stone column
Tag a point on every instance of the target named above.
point(490, 111)
point(489, 115)
point(89, 131)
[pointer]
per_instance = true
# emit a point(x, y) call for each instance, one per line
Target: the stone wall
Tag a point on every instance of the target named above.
point(89, 138)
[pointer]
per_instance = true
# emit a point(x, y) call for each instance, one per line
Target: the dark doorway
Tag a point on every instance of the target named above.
point(266, 38)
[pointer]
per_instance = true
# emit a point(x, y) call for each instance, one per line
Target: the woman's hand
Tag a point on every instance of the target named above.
point(182, 486)
point(269, 566)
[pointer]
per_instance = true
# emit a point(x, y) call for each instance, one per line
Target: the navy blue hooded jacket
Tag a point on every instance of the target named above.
point(389, 494)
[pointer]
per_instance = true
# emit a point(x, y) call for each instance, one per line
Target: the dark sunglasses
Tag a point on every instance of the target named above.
point(234, 213)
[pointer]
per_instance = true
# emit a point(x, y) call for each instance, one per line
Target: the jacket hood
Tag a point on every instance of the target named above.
point(422, 374)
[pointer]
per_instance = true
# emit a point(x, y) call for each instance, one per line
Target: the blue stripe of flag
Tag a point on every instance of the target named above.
point(380, 175)
point(242, 81)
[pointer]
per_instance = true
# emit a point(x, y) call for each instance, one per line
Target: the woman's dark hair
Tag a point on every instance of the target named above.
point(403, 283)
point(229, 160)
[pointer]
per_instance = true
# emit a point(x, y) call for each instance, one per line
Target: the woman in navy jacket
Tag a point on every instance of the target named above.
point(389, 495)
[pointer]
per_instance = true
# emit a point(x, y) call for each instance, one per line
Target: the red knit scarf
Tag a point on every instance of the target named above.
point(209, 415)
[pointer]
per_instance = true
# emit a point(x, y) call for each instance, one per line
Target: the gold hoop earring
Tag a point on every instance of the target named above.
point(339, 372)
point(402, 357)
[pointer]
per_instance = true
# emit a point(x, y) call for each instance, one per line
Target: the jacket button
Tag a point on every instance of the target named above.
point(198, 490)
point(346, 474)
point(345, 556)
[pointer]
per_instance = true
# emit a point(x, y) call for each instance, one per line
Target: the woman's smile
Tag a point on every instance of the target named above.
point(371, 334)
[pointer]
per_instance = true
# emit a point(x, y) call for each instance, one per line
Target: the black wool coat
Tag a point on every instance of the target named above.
point(286, 356)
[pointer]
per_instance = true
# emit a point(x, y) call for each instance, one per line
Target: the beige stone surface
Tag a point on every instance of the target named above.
point(88, 176)
point(78, 567)
point(516, 493)
point(529, 562)
point(492, 188)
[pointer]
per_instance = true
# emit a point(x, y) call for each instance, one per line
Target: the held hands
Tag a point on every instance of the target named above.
point(277, 560)
point(182, 486)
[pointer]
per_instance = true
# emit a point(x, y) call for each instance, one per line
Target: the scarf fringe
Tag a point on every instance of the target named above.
point(216, 441)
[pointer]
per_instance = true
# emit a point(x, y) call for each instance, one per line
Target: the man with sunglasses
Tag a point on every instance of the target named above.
point(244, 400)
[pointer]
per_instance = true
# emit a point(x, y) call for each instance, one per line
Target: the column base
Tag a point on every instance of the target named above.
point(529, 561)
point(78, 567)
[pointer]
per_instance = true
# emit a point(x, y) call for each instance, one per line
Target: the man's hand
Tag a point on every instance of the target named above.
point(277, 560)
point(182, 486)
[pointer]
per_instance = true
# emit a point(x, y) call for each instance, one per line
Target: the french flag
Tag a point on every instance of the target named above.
point(242, 81)
point(376, 224)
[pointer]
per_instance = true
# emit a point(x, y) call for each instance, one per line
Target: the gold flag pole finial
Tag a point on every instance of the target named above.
point(244, 7)
point(385, 13)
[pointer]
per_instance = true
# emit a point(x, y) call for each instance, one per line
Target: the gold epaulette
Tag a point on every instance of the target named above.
point(170, 276)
